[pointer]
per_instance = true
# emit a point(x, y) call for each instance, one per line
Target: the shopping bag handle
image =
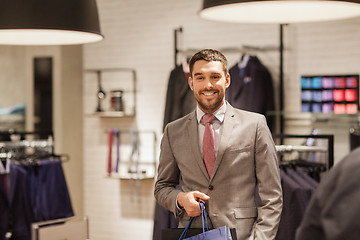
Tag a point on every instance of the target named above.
point(203, 218)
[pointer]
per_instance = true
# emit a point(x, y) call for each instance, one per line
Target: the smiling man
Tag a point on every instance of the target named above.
point(208, 84)
point(220, 155)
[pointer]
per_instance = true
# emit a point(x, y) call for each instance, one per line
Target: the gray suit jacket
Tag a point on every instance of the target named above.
point(246, 158)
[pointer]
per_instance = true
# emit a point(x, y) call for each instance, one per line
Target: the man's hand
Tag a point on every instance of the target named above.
point(190, 201)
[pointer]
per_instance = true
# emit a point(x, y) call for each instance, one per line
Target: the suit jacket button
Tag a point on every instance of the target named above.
point(211, 187)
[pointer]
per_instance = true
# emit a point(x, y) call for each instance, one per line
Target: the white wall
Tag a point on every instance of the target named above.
point(139, 35)
point(12, 78)
point(12, 82)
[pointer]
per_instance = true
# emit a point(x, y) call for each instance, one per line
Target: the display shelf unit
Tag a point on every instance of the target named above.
point(112, 114)
point(322, 118)
point(131, 154)
point(106, 113)
point(135, 176)
point(330, 94)
point(309, 118)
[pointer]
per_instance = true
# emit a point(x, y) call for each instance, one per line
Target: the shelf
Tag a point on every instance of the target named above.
point(112, 114)
point(313, 116)
point(132, 154)
point(131, 176)
point(125, 103)
point(319, 119)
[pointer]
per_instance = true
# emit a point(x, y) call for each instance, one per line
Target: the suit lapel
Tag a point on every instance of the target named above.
point(228, 125)
point(194, 142)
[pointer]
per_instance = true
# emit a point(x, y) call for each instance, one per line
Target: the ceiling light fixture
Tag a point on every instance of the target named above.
point(280, 11)
point(44, 22)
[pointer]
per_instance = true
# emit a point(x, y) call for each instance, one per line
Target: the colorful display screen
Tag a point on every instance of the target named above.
point(330, 94)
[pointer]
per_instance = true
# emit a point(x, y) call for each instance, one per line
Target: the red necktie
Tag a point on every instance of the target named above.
point(209, 143)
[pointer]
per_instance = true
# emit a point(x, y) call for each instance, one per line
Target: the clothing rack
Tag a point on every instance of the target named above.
point(5, 155)
point(242, 49)
point(288, 148)
point(291, 148)
point(28, 159)
point(27, 143)
point(29, 146)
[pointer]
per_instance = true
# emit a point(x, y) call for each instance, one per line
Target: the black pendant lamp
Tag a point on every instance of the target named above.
point(49, 22)
point(281, 11)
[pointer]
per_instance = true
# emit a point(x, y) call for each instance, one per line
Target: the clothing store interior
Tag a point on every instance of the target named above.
point(81, 122)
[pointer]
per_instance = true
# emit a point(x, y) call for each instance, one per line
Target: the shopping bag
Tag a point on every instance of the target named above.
point(222, 233)
point(175, 233)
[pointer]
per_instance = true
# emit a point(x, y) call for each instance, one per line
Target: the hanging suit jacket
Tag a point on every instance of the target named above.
point(15, 209)
point(246, 157)
point(180, 99)
point(49, 192)
point(296, 198)
point(251, 89)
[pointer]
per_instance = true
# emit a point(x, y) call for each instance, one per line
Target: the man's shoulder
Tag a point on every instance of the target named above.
point(244, 113)
point(182, 120)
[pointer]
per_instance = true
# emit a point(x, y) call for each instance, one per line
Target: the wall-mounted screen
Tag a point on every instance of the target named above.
point(330, 94)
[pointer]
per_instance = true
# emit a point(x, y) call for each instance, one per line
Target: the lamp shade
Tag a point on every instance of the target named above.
point(44, 22)
point(281, 11)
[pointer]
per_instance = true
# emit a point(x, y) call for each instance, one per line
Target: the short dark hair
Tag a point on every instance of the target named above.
point(209, 55)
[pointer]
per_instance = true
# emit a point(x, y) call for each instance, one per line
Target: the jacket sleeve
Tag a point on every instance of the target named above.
point(165, 190)
point(268, 182)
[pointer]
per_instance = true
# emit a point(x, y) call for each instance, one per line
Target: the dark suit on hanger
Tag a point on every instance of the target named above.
point(251, 89)
point(49, 192)
point(294, 205)
point(180, 99)
point(334, 210)
point(15, 210)
point(307, 178)
point(301, 181)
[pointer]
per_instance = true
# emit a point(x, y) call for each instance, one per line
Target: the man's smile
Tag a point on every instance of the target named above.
point(209, 93)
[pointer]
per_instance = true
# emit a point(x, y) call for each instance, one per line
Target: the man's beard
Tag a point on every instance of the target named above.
point(211, 107)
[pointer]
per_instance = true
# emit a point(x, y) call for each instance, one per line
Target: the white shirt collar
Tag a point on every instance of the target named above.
point(219, 114)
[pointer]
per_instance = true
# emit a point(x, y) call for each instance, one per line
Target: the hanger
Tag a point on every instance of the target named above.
point(244, 60)
point(4, 162)
point(185, 64)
